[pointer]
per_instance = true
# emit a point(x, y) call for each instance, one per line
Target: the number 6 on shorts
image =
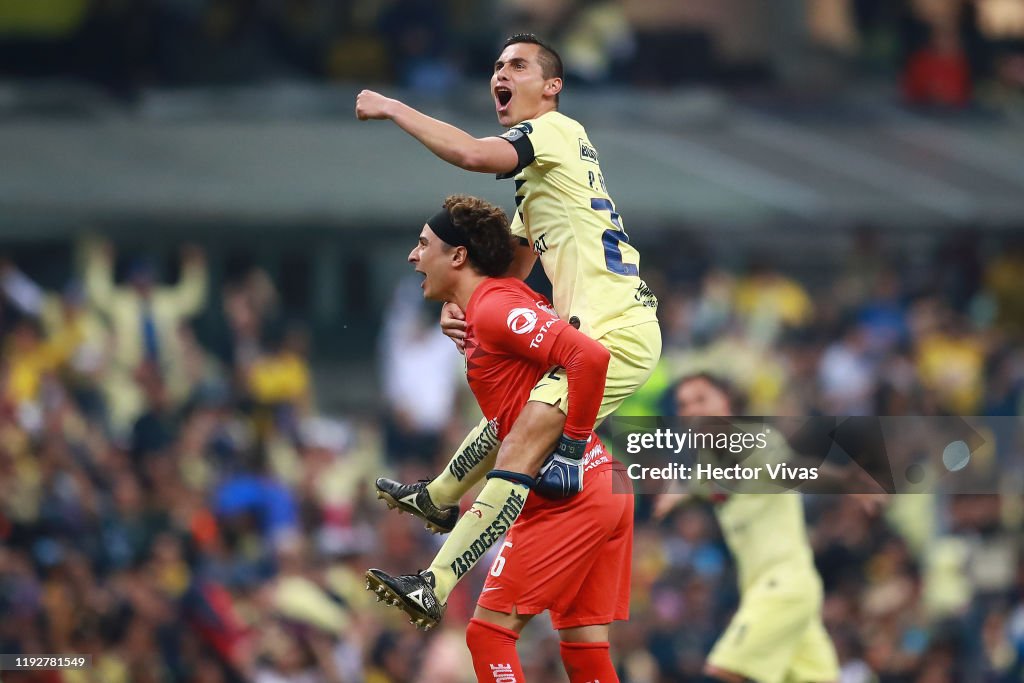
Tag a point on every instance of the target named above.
point(499, 561)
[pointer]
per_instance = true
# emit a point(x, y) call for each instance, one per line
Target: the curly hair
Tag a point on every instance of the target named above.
point(491, 245)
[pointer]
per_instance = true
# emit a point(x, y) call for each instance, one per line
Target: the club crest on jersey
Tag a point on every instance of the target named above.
point(521, 320)
point(513, 134)
point(588, 152)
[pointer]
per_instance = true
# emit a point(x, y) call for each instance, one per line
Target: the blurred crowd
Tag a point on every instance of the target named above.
point(156, 495)
point(186, 514)
point(933, 590)
point(909, 332)
point(180, 508)
point(941, 50)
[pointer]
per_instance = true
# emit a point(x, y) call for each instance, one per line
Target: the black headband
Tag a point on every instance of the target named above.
point(441, 224)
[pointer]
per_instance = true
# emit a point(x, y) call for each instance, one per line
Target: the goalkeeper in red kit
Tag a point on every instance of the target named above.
point(565, 552)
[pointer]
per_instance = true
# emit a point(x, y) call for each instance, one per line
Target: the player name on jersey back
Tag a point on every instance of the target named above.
point(564, 211)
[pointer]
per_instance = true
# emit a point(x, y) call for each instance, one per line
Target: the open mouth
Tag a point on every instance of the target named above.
point(503, 95)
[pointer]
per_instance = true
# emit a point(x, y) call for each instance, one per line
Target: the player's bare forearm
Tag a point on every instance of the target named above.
point(849, 479)
point(830, 477)
point(532, 438)
point(452, 144)
point(664, 503)
point(99, 273)
point(443, 139)
point(870, 496)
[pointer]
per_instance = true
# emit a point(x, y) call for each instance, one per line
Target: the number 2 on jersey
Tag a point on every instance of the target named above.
point(611, 239)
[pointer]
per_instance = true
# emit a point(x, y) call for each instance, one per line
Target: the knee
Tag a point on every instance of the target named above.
point(533, 436)
point(483, 635)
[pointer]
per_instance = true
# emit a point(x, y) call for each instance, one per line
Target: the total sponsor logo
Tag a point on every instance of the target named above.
point(539, 338)
point(521, 320)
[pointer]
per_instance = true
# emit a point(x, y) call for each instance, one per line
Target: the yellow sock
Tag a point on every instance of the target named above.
point(473, 459)
point(492, 515)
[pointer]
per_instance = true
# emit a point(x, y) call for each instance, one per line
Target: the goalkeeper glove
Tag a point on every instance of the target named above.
point(561, 475)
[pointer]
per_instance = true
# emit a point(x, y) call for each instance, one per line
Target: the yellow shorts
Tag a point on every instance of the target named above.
point(635, 352)
point(776, 635)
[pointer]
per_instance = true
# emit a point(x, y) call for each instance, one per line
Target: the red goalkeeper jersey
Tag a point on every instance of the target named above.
point(513, 340)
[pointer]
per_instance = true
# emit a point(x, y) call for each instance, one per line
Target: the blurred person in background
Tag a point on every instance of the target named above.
point(420, 374)
point(144, 319)
point(777, 633)
point(1002, 277)
point(565, 217)
point(949, 356)
point(596, 38)
point(30, 365)
point(767, 302)
point(278, 382)
point(77, 338)
point(945, 53)
point(938, 73)
point(417, 34)
point(846, 373)
point(306, 639)
point(248, 304)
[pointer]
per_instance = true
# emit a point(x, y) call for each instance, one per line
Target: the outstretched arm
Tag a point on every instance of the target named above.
point(22, 291)
point(664, 503)
point(190, 292)
point(99, 273)
point(454, 145)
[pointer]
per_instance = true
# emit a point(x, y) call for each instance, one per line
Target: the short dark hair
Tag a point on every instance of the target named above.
point(491, 245)
point(549, 59)
point(737, 399)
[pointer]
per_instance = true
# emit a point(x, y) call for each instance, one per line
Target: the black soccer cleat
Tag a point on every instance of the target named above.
point(414, 499)
point(411, 593)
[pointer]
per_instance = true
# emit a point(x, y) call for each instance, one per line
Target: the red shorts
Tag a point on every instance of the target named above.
point(572, 557)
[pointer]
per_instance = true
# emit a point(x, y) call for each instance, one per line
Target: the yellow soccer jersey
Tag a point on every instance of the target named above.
point(563, 210)
point(764, 531)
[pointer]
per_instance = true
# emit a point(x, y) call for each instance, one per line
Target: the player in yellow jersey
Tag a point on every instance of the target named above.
point(776, 635)
point(565, 217)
